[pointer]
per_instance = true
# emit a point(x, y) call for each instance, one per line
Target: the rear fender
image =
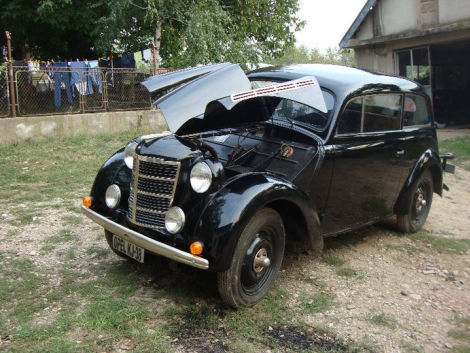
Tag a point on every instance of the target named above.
point(229, 210)
point(429, 160)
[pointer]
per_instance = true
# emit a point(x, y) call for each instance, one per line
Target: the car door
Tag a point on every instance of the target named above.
point(367, 162)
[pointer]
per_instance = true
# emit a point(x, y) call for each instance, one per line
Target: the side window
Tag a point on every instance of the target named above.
point(416, 111)
point(350, 120)
point(382, 112)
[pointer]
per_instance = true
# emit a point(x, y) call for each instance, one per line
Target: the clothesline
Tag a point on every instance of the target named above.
point(138, 59)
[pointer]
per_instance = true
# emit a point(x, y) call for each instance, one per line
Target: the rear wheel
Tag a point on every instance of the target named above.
point(419, 204)
point(256, 260)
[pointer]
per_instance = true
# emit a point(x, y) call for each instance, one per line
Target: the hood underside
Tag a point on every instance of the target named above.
point(220, 96)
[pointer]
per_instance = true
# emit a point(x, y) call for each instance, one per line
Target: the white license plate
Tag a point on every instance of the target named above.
point(131, 250)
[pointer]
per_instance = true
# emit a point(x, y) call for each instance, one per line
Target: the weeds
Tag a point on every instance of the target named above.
point(384, 320)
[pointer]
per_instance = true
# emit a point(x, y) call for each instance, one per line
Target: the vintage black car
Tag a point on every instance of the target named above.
point(290, 154)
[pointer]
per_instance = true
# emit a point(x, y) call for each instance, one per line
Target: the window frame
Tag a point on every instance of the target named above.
point(361, 132)
point(429, 110)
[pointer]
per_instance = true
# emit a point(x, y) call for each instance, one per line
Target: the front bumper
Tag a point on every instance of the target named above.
point(147, 243)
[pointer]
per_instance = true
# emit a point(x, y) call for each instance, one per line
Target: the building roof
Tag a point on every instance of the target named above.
point(357, 22)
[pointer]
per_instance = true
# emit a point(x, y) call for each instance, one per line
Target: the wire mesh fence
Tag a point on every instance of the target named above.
point(4, 97)
point(125, 92)
point(45, 93)
point(61, 90)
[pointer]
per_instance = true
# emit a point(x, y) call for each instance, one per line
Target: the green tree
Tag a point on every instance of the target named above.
point(200, 31)
point(51, 28)
point(303, 55)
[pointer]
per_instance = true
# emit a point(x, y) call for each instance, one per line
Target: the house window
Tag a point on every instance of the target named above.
point(414, 64)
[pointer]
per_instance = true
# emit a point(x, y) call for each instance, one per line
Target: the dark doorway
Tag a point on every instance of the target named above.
point(451, 82)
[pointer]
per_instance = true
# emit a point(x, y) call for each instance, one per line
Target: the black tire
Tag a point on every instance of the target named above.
point(109, 239)
point(414, 219)
point(248, 279)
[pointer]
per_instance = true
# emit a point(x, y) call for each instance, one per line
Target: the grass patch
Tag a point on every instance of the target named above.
point(65, 235)
point(97, 251)
point(317, 303)
point(460, 146)
point(409, 249)
point(410, 348)
point(333, 260)
point(71, 219)
point(55, 168)
point(384, 320)
point(346, 272)
point(441, 244)
point(459, 334)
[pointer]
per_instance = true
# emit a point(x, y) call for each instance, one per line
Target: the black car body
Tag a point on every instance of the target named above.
point(294, 153)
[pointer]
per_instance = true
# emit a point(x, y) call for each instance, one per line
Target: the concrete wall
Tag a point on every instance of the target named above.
point(392, 17)
point(453, 10)
point(15, 130)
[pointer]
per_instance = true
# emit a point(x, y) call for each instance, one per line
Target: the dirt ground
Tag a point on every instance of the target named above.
point(400, 294)
point(421, 289)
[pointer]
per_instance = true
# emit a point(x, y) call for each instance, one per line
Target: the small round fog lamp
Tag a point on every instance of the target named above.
point(174, 220)
point(112, 196)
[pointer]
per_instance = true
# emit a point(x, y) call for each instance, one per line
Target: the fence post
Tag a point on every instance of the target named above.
point(10, 76)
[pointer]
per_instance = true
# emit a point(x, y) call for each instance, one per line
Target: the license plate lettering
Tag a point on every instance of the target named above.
point(131, 250)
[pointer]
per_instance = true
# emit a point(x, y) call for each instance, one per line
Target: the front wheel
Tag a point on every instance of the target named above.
point(419, 204)
point(256, 260)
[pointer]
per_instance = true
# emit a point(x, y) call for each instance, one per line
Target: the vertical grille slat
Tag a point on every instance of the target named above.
point(153, 186)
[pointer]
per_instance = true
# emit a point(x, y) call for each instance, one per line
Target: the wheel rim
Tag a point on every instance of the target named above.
point(420, 206)
point(258, 263)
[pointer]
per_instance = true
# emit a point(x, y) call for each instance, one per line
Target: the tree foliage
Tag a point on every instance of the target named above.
point(51, 28)
point(303, 55)
point(187, 32)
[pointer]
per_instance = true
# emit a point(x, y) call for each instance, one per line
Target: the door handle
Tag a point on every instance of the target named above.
point(400, 153)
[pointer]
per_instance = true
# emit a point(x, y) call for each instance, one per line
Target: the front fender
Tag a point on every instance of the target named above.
point(113, 171)
point(229, 210)
point(429, 160)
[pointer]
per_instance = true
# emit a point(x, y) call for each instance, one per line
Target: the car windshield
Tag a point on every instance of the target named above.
point(296, 112)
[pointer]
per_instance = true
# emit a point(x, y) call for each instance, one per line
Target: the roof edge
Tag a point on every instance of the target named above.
point(357, 22)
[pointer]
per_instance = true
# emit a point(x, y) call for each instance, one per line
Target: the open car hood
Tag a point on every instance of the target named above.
point(220, 96)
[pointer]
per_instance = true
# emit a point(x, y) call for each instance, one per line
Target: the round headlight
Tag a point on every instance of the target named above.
point(174, 219)
point(129, 153)
point(112, 196)
point(200, 177)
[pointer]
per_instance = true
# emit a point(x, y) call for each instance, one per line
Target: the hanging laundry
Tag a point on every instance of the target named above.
point(139, 64)
point(147, 55)
point(61, 76)
point(94, 77)
point(127, 60)
point(77, 76)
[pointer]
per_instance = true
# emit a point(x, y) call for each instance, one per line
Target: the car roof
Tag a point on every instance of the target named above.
point(341, 80)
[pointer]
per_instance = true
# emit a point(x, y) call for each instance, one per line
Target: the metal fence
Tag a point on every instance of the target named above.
point(65, 91)
point(4, 97)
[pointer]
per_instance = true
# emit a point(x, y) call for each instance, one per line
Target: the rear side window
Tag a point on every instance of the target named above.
point(416, 111)
point(382, 112)
point(350, 120)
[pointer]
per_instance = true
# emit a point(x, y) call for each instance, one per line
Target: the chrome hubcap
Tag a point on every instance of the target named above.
point(420, 200)
point(261, 260)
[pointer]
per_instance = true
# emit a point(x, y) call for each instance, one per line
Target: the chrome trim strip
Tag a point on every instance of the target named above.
point(163, 196)
point(156, 178)
point(156, 160)
point(135, 173)
point(150, 211)
point(147, 243)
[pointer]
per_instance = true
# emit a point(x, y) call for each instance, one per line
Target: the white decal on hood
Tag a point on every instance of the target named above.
point(271, 90)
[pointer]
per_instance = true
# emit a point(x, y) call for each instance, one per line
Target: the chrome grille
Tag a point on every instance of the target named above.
point(153, 186)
